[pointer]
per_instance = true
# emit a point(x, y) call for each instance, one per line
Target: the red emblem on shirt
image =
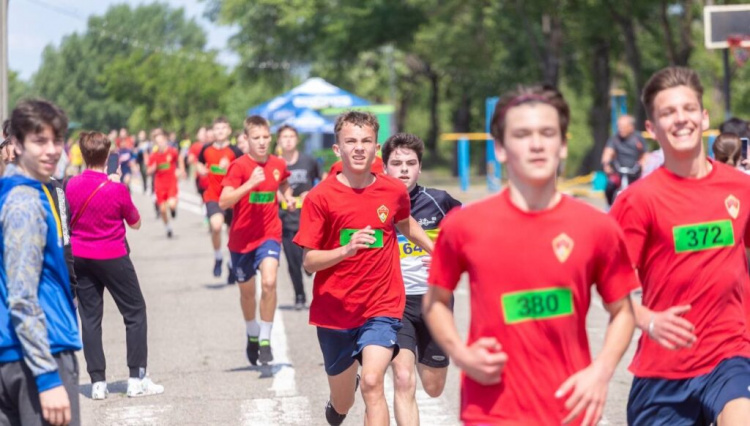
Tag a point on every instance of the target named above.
point(562, 245)
point(383, 213)
point(733, 206)
point(276, 174)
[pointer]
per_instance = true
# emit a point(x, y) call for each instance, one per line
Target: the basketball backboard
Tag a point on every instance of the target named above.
point(721, 22)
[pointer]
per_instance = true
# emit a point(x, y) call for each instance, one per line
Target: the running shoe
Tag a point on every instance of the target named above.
point(332, 416)
point(299, 303)
point(252, 350)
point(265, 356)
point(99, 391)
point(217, 268)
point(143, 387)
point(169, 233)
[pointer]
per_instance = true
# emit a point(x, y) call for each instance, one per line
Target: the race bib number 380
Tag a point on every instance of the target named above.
point(703, 236)
point(537, 304)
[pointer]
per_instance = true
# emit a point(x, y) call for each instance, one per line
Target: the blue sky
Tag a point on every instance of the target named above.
point(33, 24)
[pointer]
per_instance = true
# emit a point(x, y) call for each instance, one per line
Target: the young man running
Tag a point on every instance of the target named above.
point(402, 155)
point(40, 330)
point(201, 181)
point(213, 161)
point(304, 172)
point(348, 232)
point(686, 226)
point(250, 186)
point(163, 164)
point(532, 256)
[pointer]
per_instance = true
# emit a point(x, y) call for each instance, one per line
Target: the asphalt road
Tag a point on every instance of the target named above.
point(196, 344)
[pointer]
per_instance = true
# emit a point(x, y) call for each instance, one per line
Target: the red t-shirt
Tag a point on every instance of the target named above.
point(217, 160)
point(377, 167)
point(193, 153)
point(661, 216)
point(166, 166)
point(256, 215)
point(368, 284)
point(530, 276)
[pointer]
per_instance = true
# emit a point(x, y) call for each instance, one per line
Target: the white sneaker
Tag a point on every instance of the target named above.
point(143, 387)
point(99, 390)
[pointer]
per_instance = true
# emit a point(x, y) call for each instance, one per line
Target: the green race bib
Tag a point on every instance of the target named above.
point(703, 236)
point(262, 197)
point(163, 166)
point(537, 304)
point(346, 236)
point(218, 170)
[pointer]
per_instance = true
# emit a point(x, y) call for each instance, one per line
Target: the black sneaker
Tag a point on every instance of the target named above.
point(169, 233)
point(252, 350)
point(217, 267)
point(299, 303)
point(333, 418)
point(265, 356)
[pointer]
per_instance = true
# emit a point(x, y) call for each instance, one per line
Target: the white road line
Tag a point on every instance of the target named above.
point(138, 415)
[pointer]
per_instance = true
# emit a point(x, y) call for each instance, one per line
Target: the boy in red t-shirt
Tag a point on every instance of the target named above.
point(348, 233)
point(532, 256)
point(201, 182)
point(686, 226)
point(213, 162)
point(164, 164)
point(250, 187)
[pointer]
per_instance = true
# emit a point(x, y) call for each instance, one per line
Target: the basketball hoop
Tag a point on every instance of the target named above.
point(739, 46)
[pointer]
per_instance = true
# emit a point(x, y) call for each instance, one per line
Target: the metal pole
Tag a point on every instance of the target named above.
point(4, 59)
point(463, 163)
point(727, 89)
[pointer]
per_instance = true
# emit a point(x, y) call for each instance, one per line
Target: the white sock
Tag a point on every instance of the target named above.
point(252, 328)
point(218, 255)
point(265, 330)
point(168, 227)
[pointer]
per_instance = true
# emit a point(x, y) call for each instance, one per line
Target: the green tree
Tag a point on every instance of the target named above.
point(17, 89)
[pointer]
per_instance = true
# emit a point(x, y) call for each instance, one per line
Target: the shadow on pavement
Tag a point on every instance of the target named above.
point(120, 386)
point(266, 371)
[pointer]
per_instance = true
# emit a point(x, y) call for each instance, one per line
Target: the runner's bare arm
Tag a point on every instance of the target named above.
point(231, 195)
point(317, 260)
point(483, 361)
point(286, 192)
point(181, 167)
point(607, 156)
point(414, 233)
point(586, 390)
point(668, 328)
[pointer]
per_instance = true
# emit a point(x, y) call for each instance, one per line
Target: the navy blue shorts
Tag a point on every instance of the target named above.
point(694, 401)
point(245, 264)
point(342, 347)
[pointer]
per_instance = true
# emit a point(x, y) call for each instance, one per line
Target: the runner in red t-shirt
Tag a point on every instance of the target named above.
point(532, 256)
point(201, 181)
point(213, 162)
point(377, 167)
point(686, 226)
point(250, 186)
point(164, 164)
point(348, 233)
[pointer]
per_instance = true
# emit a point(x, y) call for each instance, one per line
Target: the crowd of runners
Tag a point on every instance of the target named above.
point(387, 254)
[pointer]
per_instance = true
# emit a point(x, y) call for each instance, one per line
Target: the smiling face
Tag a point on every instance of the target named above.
point(356, 146)
point(678, 121)
point(403, 164)
point(39, 153)
point(533, 143)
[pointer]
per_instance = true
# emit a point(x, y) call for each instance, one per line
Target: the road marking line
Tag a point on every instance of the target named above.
point(137, 415)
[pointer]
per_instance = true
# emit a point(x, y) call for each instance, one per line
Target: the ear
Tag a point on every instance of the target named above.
point(706, 120)
point(564, 149)
point(336, 149)
point(650, 129)
point(500, 153)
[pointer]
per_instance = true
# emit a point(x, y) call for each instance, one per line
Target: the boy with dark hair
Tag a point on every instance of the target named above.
point(250, 186)
point(532, 255)
point(348, 233)
point(686, 228)
point(37, 353)
point(213, 161)
point(402, 155)
point(304, 172)
point(164, 164)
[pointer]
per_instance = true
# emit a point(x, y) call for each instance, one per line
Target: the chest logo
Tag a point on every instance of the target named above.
point(562, 245)
point(276, 174)
point(383, 213)
point(733, 206)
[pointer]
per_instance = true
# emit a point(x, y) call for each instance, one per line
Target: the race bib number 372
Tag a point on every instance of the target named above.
point(703, 236)
point(537, 304)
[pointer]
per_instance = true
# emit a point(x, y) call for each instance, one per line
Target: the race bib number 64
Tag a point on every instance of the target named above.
point(539, 304)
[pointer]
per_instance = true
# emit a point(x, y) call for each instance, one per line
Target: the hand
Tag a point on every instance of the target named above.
point(303, 195)
point(257, 177)
point(426, 261)
point(224, 162)
point(181, 174)
point(608, 169)
point(55, 406)
point(291, 204)
point(589, 392)
point(360, 240)
point(483, 361)
point(745, 163)
point(669, 329)
point(114, 177)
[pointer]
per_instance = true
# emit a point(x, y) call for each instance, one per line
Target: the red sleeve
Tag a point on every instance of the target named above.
point(448, 262)
point(235, 176)
point(614, 274)
point(404, 205)
point(633, 219)
point(312, 224)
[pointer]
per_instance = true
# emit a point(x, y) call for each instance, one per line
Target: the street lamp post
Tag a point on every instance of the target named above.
point(4, 59)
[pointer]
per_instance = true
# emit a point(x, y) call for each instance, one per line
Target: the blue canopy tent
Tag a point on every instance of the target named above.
point(308, 121)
